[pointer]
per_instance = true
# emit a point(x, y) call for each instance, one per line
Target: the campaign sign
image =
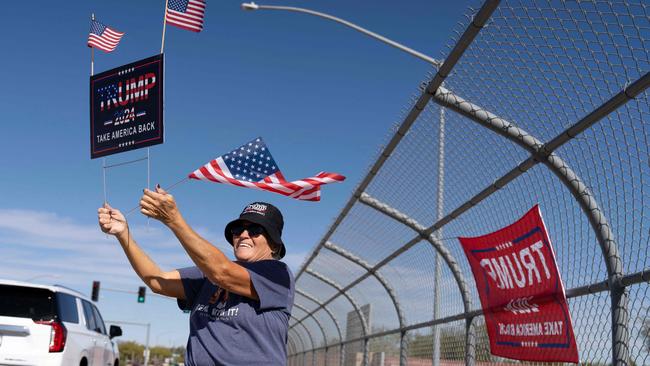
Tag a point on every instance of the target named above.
point(126, 107)
point(521, 292)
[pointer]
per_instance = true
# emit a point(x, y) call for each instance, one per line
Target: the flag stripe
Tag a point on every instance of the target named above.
point(185, 18)
point(223, 167)
point(110, 39)
point(101, 41)
point(303, 189)
point(216, 171)
point(203, 171)
point(312, 196)
point(113, 35)
point(280, 177)
point(101, 47)
point(190, 14)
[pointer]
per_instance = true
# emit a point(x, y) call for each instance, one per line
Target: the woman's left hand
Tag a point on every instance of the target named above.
point(159, 205)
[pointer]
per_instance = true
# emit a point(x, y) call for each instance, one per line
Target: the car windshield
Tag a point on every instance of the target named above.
point(27, 302)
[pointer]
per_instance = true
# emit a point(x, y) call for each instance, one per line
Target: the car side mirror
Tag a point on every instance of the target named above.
point(114, 331)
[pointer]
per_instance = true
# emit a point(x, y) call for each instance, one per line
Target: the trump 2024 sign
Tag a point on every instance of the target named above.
point(126, 107)
point(521, 292)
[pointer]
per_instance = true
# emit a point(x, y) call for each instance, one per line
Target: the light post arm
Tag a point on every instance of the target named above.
point(410, 51)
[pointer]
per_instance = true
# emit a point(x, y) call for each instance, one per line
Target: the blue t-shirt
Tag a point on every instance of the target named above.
point(229, 329)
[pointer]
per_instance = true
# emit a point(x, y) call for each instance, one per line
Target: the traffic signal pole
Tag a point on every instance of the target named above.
point(141, 295)
point(137, 293)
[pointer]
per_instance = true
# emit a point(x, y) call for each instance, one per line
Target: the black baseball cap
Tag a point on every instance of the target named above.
point(265, 215)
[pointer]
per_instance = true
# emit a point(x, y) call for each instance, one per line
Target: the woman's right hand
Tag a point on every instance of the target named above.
point(111, 220)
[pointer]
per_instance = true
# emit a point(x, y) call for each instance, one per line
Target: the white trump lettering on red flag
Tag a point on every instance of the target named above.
point(252, 166)
point(521, 292)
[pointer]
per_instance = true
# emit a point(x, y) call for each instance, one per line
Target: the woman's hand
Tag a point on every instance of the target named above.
point(111, 220)
point(159, 205)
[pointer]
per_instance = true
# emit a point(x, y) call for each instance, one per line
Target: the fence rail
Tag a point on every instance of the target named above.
point(540, 102)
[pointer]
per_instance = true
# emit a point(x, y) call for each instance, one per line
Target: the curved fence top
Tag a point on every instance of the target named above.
point(537, 102)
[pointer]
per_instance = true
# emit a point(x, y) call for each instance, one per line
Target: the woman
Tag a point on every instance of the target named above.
point(239, 310)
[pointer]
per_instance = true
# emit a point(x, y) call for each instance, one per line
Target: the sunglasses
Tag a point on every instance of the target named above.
point(253, 229)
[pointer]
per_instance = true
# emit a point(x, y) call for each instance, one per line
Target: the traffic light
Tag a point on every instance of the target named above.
point(141, 292)
point(95, 292)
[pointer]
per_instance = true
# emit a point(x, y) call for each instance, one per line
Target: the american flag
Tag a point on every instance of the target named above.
point(252, 166)
point(103, 37)
point(186, 14)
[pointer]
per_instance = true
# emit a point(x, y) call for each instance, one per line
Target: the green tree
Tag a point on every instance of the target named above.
point(452, 344)
point(131, 352)
point(483, 343)
point(159, 353)
point(180, 354)
point(388, 343)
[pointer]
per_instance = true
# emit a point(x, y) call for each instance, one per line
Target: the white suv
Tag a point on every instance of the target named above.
point(52, 325)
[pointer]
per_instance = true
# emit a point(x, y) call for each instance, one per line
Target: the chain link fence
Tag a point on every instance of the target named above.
point(540, 102)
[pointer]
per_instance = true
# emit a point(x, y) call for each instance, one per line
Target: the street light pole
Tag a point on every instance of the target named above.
point(252, 6)
point(441, 150)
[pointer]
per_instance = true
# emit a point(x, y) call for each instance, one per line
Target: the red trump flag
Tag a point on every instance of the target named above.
point(521, 292)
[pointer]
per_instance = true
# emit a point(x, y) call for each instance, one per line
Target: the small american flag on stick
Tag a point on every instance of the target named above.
point(252, 166)
point(103, 37)
point(186, 14)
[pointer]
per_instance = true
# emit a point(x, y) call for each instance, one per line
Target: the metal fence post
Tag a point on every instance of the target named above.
point(440, 208)
point(403, 349)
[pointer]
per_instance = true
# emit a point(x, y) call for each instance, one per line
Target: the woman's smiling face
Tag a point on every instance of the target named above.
point(251, 244)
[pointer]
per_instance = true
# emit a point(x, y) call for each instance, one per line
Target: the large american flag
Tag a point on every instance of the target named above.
point(252, 166)
point(103, 37)
point(186, 14)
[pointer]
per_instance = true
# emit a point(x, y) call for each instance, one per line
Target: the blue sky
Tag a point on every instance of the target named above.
point(323, 97)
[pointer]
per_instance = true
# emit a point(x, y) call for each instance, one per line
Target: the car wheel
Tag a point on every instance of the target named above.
point(83, 362)
point(116, 363)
